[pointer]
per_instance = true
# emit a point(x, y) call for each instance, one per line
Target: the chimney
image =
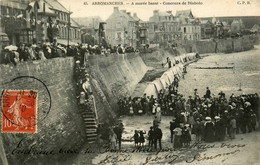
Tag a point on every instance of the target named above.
point(135, 15)
point(128, 13)
point(169, 12)
point(116, 9)
point(155, 12)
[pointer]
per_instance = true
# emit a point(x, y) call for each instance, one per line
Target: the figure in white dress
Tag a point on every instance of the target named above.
point(17, 108)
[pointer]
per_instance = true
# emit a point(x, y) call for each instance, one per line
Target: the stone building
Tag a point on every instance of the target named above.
point(207, 29)
point(190, 26)
point(28, 21)
point(93, 29)
point(122, 28)
point(144, 36)
point(237, 26)
point(164, 28)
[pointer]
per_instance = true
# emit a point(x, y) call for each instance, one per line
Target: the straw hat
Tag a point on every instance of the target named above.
point(217, 117)
point(208, 118)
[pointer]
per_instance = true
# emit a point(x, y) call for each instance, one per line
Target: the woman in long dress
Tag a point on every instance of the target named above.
point(177, 139)
point(158, 113)
point(209, 130)
point(141, 138)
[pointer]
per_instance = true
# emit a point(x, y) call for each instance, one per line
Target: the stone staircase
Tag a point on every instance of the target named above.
point(89, 118)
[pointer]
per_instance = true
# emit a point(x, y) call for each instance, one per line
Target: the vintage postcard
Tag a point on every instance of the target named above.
point(129, 82)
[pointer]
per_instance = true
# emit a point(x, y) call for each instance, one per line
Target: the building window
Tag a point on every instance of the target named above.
point(60, 31)
point(7, 11)
point(63, 32)
point(184, 29)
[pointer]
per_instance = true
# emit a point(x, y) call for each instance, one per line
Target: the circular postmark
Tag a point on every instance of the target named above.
point(26, 101)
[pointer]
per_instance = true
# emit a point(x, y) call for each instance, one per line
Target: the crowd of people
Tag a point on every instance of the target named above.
point(29, 52)
point(210, 118)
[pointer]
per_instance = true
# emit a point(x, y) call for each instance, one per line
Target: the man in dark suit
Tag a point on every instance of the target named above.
point(119, 131)
point(157, 137)
point(207, 95)
point(151, 137)
point(173, 125)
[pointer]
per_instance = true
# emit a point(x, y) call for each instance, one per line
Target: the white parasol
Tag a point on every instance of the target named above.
point(11, 47)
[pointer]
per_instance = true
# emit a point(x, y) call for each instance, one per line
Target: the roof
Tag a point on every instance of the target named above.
point(235, 21)
point(56, 5)
point(129, 17)
point(13, 4)
point(164, 13)
point(136, 18)
point(47, 7)
point(88, 21)
point(255, 27)
point(73, 23)
point(185, 13)
point(225, 23)
point(49, 4)
point(204, 21)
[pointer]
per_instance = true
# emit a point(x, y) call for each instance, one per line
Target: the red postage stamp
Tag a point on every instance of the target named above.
point(19, 111)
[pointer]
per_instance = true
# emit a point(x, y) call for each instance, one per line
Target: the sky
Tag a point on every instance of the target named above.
point(208, 8)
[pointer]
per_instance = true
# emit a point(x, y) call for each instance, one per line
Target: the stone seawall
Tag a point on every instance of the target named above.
point(113, 77)
point(63, 127)
point(221, 45)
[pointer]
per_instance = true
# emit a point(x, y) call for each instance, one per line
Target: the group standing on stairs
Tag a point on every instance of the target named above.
point(85, 98)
